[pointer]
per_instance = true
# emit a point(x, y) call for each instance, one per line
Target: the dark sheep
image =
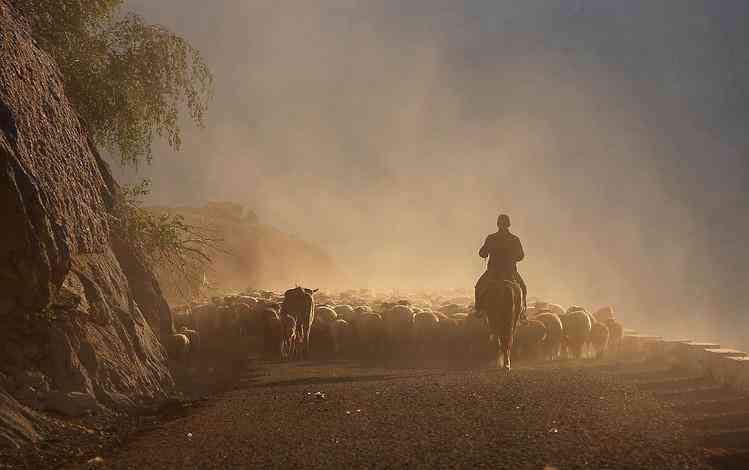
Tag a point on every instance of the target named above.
point(529, 339)
point(599, 338)
point(616, 332)
point(551, 347)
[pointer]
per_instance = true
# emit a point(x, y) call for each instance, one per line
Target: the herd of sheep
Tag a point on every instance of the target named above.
point(362, 324)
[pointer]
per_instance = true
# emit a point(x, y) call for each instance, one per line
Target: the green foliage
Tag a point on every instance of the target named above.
point(127, 79)
point(176, 249)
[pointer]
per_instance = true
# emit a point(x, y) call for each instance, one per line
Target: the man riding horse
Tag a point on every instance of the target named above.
point(504, 251)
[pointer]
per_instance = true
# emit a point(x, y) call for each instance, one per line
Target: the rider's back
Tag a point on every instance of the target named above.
point(504, 251)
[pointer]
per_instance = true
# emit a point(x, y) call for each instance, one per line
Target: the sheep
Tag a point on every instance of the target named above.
point(344, 311)
point(577, 327)
point(555, 308)
point(447, 336)
point(604, 314)
point(439, 324)
point(552, 346)
point(325, 314)
point(342, 334)
point(398, 321)
point(424, 329)
point(322, 330)
point(449, 309)
point(178, 348)
point(363, 309)
point(269, 323)
point(194, 338)
point(476, 337)
point(370, 332)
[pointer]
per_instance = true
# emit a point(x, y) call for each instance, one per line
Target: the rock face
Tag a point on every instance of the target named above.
point(72, 330)
point(16, 423)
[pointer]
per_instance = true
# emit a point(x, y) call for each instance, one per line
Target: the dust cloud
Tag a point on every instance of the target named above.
point(613, 133)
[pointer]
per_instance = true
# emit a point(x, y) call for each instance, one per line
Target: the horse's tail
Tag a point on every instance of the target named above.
point(501, 302)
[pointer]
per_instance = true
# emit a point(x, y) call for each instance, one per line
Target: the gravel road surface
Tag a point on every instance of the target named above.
point(573, 415)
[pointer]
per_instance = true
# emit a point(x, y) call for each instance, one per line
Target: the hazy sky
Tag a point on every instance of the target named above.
point(392, 134)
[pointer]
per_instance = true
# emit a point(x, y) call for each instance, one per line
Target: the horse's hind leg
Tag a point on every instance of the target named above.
point(497, 343)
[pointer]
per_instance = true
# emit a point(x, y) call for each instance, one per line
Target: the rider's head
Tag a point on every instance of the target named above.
point(503, 221)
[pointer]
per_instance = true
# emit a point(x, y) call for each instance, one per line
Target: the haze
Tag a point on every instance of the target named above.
point(392, 135)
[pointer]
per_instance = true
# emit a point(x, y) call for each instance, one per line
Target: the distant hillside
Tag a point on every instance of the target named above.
point(258, 255)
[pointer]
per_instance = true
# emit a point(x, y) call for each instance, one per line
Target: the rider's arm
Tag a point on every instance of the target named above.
point(519, 253)
point(484, 251)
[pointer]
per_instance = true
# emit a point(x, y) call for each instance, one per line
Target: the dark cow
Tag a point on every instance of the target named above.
point(300, 304)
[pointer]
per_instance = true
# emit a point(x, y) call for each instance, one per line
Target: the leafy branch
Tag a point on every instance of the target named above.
point(166, 242)
point(128, 80)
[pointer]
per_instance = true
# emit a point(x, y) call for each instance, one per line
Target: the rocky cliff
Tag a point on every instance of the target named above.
point(78, 333)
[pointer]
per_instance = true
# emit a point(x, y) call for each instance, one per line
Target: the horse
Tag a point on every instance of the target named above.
point(502, 304)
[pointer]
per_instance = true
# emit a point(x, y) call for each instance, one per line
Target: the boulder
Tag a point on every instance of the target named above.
point(71, 404)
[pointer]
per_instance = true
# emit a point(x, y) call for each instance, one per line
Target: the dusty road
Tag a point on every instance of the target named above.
point(341, 415)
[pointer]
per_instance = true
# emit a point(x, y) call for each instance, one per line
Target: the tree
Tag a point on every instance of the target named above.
point(178, 251)
point(128, 80)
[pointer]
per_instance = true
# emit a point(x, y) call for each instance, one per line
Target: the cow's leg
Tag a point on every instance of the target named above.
point(298, 343)
point(302, 343)
point(307, 341)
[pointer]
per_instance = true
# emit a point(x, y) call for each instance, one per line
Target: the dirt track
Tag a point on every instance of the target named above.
point(569, 415)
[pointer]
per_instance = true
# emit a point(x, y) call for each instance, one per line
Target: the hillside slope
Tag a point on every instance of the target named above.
point(257, 255)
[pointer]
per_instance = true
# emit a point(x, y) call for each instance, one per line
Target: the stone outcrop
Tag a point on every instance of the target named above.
point(77, 332)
